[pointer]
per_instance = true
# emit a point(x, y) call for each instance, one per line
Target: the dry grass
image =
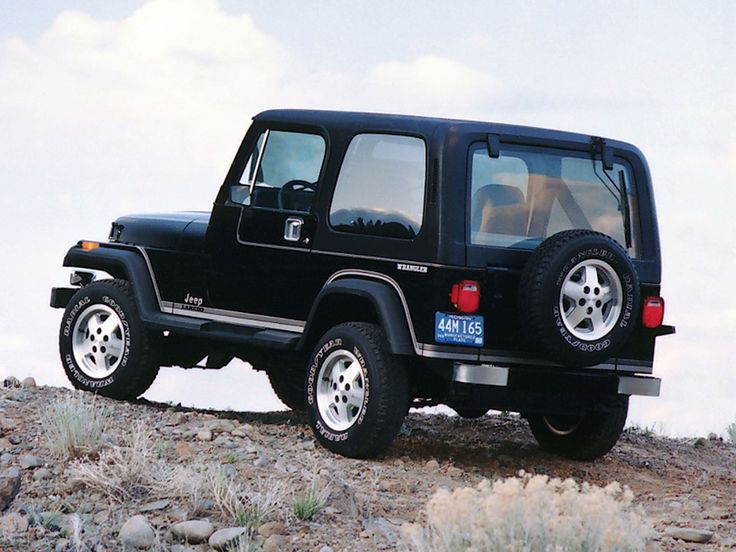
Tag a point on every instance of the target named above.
point(73, 426)
point(309, 504)
point(130, 470)
point(246, 505)
point(530, 514)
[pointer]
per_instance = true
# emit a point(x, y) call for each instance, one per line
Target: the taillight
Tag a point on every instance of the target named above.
point(653, 312)
point(465, 296)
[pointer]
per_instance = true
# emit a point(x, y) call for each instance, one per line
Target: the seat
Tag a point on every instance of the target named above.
point(499, 209)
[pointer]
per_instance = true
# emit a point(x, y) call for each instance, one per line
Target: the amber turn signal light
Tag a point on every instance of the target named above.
point(89, 246)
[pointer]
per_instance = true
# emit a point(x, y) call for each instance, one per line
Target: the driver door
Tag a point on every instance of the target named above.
point(264, 271)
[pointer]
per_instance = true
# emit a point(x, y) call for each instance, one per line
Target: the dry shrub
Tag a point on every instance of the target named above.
point(530, 514)
point(73, 426)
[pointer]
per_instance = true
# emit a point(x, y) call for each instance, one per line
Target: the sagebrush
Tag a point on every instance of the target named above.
point(731, 432)
point(530, 514)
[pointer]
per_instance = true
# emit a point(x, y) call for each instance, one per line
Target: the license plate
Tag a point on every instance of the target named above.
point(459, 329)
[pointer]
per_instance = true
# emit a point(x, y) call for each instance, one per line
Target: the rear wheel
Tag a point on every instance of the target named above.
point(470, 412)
point(357, 392)
point(104, 346)
point(582, 437)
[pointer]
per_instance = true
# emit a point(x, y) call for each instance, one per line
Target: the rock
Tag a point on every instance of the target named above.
point(41, 474)
point(714, 437)
point(382, 527)
point(193, 531)
point(675, 504)
point(688, 534)
point(183, 449)
point(326, 549)
point(700, 442)
point(11, 381)
point(14, 439)
point(271, 528)
point(13, 524)
point(28, 383)
point(204, 435)
point(9, 487)
point(226, 538)
point(260, 462)
point(229, 471)
point(137, 533)
point(29, 462)
point(154, 506)
point(276, 543)
point(238, 432)
point(7, 458)
point(175, 420)
point(62, 545)
point(221, 426)
point(432, 464)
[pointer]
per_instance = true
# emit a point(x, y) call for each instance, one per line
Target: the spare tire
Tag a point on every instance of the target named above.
point(579, 298)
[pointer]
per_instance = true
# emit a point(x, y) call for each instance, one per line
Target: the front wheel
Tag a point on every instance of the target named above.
point(104, 346)
point(357, 393)
point(583, 437)
point(287, 381)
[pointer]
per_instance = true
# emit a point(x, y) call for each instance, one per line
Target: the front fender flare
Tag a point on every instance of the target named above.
point(124, 262)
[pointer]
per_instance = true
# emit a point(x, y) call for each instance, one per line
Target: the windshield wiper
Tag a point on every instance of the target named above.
point(617, 190)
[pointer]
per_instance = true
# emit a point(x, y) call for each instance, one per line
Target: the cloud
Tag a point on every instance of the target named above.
point(433, 86)
point(175, 73)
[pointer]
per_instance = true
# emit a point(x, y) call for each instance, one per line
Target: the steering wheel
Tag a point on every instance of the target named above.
point(294, 189)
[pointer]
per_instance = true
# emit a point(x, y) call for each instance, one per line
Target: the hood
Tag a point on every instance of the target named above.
point(179, 231)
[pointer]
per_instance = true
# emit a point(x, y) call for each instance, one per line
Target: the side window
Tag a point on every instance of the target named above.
point(282, 171)
point(380, 188)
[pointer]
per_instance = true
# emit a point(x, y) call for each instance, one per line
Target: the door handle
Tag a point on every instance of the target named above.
point(293, 229)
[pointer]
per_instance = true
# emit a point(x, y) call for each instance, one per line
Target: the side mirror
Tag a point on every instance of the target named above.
point(240, 194)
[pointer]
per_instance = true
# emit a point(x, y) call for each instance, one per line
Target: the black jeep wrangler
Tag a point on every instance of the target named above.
point(370, 263)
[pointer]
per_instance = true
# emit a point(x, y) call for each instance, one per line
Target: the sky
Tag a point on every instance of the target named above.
point(108, 108)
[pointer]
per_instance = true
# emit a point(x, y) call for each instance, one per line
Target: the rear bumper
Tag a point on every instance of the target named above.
point(513, 378)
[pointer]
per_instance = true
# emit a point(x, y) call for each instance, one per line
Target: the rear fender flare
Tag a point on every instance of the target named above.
point(385, 302)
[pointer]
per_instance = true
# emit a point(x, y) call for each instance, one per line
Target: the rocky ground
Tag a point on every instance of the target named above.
point(51, 503)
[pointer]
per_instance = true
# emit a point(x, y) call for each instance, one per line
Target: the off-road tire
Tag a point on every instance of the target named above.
point(594, 435)
point(288, 383)
point(541, 317)
point(385, 391)
point(138, 361)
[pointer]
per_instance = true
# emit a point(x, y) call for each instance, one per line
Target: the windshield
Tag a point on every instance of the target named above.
point(528, 194)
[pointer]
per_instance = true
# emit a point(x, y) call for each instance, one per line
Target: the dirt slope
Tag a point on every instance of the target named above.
point(684, 482)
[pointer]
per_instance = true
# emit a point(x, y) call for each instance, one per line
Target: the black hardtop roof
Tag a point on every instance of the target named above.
point(421, 124)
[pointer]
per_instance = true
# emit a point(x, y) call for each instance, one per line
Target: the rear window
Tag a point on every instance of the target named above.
point(380, 188)
point(528, 194)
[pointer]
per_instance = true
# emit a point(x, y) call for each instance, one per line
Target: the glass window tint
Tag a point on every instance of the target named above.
point(282, 171)
point(528, 194)
point(380, 188)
